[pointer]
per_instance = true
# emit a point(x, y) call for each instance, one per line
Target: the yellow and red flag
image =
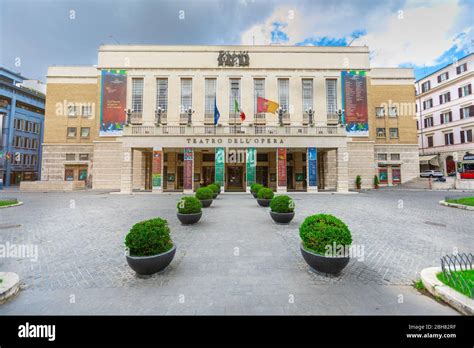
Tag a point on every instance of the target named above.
point(265, 105)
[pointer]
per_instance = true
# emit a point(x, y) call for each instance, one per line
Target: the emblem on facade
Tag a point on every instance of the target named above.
point(227, 58)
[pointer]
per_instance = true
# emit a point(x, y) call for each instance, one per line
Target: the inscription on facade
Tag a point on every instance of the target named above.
point(227, 58)
point(232, 141)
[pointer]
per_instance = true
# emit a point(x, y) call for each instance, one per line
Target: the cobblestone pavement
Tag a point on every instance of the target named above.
point(234, 261)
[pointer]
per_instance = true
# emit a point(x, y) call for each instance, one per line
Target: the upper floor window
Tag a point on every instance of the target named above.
point(428, 122)
point(465, 90)
point(429, 139)
point(258, 91)
point(395, 157)
point(393, 132)
point(392, 111)
point(466, 112)
point(449, 138)
point(85, 132)
point(210, 95)
point(380, 111)
point(186, 94)
point(380, 132)
point(71, 132)
point(307, 87)
point(83, 157)
point(461, 68)
point(162, 94)
point(137, 95)
point(427, 104)
point(446, 117)
point(331, 96)
point(444, 98)
point(425, 86)
point(234, 96)
point(466, 136)
point(71, 110)
point(443, 77)
point(382, 156)
point(284, 94)
point(70, 157)
point(86, 110)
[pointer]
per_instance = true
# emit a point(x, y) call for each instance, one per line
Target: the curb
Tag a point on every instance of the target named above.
point(9, 287)
point(12, 205)
point(455, 299)
point(455, 205)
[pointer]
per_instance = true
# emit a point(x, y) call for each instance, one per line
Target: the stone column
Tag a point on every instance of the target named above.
point(281, 170)
point(342, 158)
point(126, 181)
point(188, 175)
point(157, 170)
point(312, 169)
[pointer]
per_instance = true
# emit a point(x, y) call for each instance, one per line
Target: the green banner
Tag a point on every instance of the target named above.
point(251, 161)
point(220, 164)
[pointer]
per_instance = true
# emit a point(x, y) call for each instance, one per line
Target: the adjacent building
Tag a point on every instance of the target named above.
point(174, 118)
point(445, 114)
point(21, 128)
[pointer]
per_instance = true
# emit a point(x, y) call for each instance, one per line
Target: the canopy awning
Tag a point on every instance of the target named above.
point(429, 159)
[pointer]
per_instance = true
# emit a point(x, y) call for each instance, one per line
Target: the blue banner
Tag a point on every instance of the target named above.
point(312, 166)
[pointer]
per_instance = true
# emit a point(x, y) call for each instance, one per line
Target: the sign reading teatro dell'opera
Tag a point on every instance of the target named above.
point(233, 141)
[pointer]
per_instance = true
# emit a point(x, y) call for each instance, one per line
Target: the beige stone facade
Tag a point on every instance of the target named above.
point(125, 162)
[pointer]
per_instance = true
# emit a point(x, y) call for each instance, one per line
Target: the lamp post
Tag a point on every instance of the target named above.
point(189, 111)
point(158, 113)
point(128, 112)
point(339, 116)
point(280, 112)
point(310, 113)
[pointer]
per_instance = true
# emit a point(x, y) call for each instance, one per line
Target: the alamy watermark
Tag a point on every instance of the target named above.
point(355, 251)
point(29, 251)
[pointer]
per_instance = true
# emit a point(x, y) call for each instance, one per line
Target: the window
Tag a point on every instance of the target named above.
point(37, 128)
point(83, 157)
point(34, 159)
point(466, 136)
point(429, 139)
point(466, 112)
point(443, 77)
point(162, 94)
point(262, 157)
point(86, 110)
point(137, 95)
point(186, 94)
point(395, 157)
point(284, 94)
point(307, 87)
point(382, 156)
point(444, 98)
point(85, 132)
point(28, 126)
point(425, 86)
point(446, 117)
point(70, 157)
point(234, 95)
point(427, 104)
point(380, 132)
point(71, 110)
point(393, 132)
point(465, 90)
point(210, 96)
point(428, 121)
point(208, 157)
point(258, 91)
point(71, 132)
point(461, 68)
point(392, 111)
point(331, 96)
point(380, 111)
point(448, 138)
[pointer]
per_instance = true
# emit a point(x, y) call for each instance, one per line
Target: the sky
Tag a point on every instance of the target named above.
point(423, 34)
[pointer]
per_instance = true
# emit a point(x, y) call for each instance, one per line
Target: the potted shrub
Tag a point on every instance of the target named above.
point(149, 246)
point(264, 196)
point(325, 243)
point(189, 210)
point(204, 194)
point(282, 209)
point(358, 182)
point(215, 190)
point(254, 189)
point(376, 181)
point(218, 184)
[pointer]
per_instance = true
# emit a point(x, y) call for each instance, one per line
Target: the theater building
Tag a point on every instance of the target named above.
point(174, 118)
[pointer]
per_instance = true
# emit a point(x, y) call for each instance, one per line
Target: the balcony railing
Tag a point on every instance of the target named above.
point(286, 119)
point(332, 118)
point(136, 118)
point(234, 119)
point(259, 119)
point(236, 130)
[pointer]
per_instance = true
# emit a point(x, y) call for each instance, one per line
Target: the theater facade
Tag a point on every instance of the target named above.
point(174, 118)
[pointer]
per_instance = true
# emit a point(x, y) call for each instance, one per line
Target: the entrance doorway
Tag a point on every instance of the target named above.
point(235, 178)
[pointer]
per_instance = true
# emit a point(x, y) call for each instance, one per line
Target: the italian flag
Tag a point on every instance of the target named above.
point(237, 110)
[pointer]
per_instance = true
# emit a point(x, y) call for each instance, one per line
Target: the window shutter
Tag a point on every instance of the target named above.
point(446, 139)
point(459, 92)
point(441, 99)
point(461, 133)
point(447, 75)
point(450, 116)
point(425, 122)
point(461, 114)
point(458, 70)
point(471, 110)
point(449, 97)
point(439, 78)
point(469, 135)
point(441, 118)
point(469, 89)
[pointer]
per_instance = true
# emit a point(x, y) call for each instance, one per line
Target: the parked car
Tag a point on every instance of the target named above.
point(431, 174)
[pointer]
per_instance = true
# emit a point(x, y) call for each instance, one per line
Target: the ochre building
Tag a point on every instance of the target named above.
point(174, 118)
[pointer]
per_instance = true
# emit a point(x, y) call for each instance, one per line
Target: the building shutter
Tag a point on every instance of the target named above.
point(461, 114)
point(458, 70)
point(449, 97)
point(446, 141)
point(461, 133)
point(471, 110)
point(450, 116)
point(439, 78)
point(469, 89)
point(425, 121)
point(469, 135)
point(441, 99)
point(441, 118)
point(459, 92)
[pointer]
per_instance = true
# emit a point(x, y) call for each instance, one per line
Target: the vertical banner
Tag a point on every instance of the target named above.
point(251, 163)
point(156, 169)
point(113, 102)
point(220, 164)
point(281, 167)
point(312, 166)
point(188, 168)
point(354, 103)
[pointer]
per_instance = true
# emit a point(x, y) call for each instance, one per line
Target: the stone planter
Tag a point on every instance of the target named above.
point(214, 196)
point(146, 265)
point(206, 203)
point(282, 218)
point(263, 202)
point(324, 264)
point(189, 219)
point(254, 194)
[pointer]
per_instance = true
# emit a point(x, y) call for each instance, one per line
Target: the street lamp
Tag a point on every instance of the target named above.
point(339, 116)
point(128, 112)
point(158, 113)
point(189, 112)
point(280, 112)
point(310, 113)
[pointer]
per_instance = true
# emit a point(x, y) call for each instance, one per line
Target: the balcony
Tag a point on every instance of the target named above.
point(286, 119)
point(234, 119)
point(208, 119)
point(259, 119)
point(332, 118)
point(183, 119)
point(136, 118)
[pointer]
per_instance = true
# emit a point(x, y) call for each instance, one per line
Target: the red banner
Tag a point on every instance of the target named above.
point(156, 168)
point(188, 169)
point(113, 101)
point(281, 167)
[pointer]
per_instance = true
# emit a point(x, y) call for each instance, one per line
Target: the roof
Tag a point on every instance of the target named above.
point(444, 67)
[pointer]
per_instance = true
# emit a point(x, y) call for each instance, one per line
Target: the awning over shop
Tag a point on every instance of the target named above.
point(429, 159)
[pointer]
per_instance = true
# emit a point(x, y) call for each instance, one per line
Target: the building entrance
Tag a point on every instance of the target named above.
point(235, 178)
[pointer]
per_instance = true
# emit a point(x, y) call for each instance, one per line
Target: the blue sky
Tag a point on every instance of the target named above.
point(425, 35)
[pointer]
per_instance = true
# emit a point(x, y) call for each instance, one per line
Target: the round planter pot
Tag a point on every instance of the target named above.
point(146, 265)
point(206, 203)
point(254, 195)
point(189, 219)
point(324, 264)
point(263, 202)
point(214, 196)
point(282, 218)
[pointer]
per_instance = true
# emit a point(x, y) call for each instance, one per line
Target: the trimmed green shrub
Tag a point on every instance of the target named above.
point(255, 187)
point(265, 193)
point(204, 193)
point(282, 204)
point(189, 205)
point(358, 181)
point(214, 188)
point(322, 230)
point(376, 181)
point(218, 184)
point(149, 237)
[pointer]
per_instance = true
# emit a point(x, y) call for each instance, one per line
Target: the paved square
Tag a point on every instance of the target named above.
point(236, 260)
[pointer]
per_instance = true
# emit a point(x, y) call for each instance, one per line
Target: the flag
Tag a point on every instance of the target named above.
point(237, 110)
point(265, 105)
point(217, 114)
